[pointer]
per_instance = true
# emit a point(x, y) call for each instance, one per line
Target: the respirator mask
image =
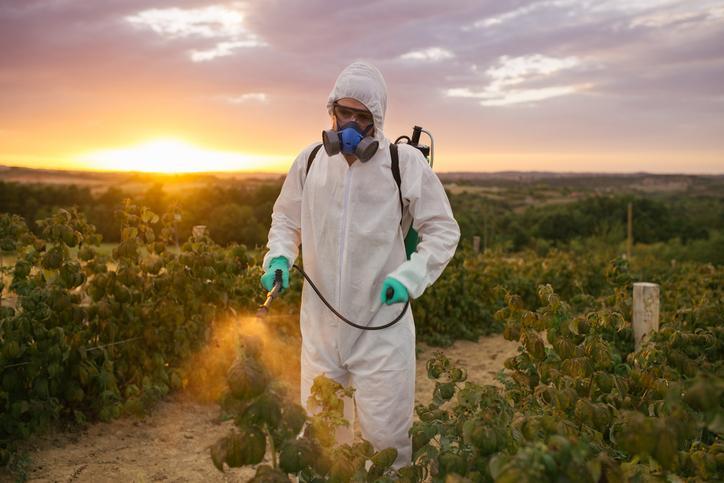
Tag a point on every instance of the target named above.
point(351, 137)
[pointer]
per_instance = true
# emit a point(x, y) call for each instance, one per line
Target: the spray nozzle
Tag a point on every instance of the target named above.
point(272, 294)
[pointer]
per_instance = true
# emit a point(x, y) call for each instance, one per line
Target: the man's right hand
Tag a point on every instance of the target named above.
point(393, 292)
point(278, 263)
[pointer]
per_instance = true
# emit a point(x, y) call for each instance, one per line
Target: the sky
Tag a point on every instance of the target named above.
point(548, 85)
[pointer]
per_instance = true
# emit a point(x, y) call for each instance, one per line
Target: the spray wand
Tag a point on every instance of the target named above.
point(271, 295)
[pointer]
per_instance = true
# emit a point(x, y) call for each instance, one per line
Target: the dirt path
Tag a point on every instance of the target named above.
point(171, 444)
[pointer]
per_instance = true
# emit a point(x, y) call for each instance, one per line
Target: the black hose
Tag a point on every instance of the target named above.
point(341, 317)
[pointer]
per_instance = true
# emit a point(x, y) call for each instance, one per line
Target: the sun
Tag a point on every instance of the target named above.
point(171, 156)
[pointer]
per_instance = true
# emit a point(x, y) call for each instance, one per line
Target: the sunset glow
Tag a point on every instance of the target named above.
point(171, 156)
point(609, 86)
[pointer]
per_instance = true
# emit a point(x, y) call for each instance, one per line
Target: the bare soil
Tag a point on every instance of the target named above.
point(171, 444)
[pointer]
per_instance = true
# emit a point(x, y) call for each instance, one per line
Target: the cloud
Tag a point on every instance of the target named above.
point(220, 23)
point(222, 49)
point(507, 76)
point(678, 16)
point(207, 22)
point(510, 15)
point(666, 19)
point(631, 13)
point(433, 54)
point(250, 96)
point(511, 71)
point(514, 96)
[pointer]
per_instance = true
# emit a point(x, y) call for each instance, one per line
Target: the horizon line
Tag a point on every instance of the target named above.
point(5, 167)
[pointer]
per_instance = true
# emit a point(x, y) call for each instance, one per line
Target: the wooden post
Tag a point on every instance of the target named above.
point(176, 219)
point(645, 311)
point(476, 244)
point(629, 238)
point(485, 229)
point(198, 231)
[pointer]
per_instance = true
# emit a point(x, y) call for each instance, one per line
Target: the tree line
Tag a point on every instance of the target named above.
point(242, 214)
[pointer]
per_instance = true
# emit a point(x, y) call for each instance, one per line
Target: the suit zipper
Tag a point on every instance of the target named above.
point(343, 232)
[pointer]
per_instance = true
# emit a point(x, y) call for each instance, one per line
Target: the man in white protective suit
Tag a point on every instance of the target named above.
point(346, 214)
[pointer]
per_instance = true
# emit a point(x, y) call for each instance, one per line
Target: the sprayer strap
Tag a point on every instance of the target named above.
point(311, 157)
point(396, 174)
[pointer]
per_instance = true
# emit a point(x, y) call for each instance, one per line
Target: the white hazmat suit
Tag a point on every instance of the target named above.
point(347, 219)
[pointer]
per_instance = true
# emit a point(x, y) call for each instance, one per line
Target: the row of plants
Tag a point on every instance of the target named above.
point(463, 301)
point(89, 336)
point(577, 402)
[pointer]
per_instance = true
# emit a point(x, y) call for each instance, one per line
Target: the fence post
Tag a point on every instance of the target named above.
point(629, 232)
point(198, 231)
point(645, 311)
point(486, 227)
point(476, 244)
point(176, 219)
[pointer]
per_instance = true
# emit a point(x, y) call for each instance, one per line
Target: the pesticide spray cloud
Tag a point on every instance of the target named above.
point(205, 373)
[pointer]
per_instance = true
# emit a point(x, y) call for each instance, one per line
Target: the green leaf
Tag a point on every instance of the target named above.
point(497, 464)
point(716, 425)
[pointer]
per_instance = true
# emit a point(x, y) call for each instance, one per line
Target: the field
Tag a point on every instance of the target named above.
point(115, 352)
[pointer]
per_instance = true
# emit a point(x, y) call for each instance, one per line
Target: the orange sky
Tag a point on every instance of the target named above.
point(182, 85)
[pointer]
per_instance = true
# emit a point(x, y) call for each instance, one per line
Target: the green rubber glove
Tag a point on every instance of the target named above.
point(278, 263)
point(399, 292)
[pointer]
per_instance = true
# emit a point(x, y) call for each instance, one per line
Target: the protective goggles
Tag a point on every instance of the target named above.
point(345, 114)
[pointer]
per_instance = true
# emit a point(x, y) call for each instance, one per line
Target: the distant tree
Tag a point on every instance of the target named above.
point(232, 223)
point(154, 198)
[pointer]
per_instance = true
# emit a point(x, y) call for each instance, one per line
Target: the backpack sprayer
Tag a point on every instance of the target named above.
point(411, 239)
point(427, 151)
